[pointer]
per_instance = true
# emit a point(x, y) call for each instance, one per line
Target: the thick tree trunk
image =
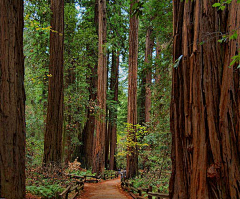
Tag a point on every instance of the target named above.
point(205, 107)
point(86, 149)
point(54, 123)
point(113, 112)
point(99, 139)
point(132, 157)
point(88, 131)
point(12, 101)
point(141, 99)
point(148, 57)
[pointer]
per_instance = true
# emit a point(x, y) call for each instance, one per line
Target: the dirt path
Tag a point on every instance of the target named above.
point(110, 189)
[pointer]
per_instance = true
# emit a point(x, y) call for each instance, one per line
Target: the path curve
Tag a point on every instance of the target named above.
point(110, 189)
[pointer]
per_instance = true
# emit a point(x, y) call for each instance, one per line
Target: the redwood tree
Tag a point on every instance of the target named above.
point(99, 139)
point(54, 123)
point(113, 112)
point(12, 101)
point(86, 150)
point(205, 107)
point(132, 157)
point(148, 56)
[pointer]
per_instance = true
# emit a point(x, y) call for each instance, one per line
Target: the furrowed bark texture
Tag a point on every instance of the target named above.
point(99, 139)
point(113, 113)
point(205, 106)
point(54, 123)
point(132, 157)
point(148, 57)
point(12, 101)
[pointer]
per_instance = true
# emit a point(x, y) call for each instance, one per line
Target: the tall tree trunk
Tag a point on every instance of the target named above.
point(99, 142)
point(132, 158)
point(157, 94)
point(54, 123)
point(113, 112)
point(12, 101)
point(107, 123)
point(148, 57)
point(205, 107)
point(88, 131)
point(142, 98)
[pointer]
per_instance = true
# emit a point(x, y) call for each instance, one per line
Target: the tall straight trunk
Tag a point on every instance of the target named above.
point(88, 131)
point(54, 123)
point(132, 157)
point(99, 139)
point(113, 112)
point(205, 106)
point(107, 123)
point(157, 95)
point(12, 101)
point(148, 57)
point(141, 99)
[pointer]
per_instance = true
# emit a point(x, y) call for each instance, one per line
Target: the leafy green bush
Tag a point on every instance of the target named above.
point(45, 191)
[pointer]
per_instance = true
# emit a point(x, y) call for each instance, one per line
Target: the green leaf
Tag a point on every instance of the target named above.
point(216, 5)
point(233, 36)
point(222, 7)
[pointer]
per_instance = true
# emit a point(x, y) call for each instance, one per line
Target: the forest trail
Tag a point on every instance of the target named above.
point(110, 189)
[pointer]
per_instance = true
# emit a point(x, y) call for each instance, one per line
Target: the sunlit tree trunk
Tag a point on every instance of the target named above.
point(54, 123)
point(12, 101)
point(99, 139)
point(205, 106)
point(132, 157)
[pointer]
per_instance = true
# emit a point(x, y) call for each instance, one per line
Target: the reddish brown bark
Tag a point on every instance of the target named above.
point(205, 110)
point(113, 112)
point(148, 57)
point(54, 123)
point(132, 157)
point(86, 156)
point(88, 131)
point(99, 139)
point(12, 101)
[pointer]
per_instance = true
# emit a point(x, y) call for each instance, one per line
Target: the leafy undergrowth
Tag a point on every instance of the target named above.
point(49, 181)
point(158, 181)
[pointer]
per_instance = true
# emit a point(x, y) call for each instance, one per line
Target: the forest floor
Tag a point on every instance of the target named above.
point(110, 189)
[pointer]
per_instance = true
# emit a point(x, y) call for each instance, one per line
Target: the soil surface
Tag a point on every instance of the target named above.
point(110, 189)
